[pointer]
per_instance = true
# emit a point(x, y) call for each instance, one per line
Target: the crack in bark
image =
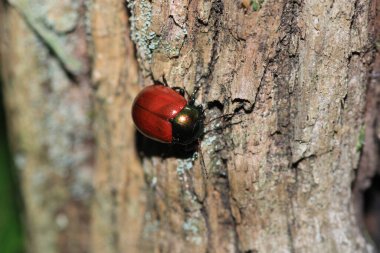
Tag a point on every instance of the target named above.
point(355, 14)
point(208, 227)
point(221, 183)
point(291, 224)
point(285, 62)
point(216, 12)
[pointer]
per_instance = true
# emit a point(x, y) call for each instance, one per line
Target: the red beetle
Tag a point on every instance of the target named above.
point(163, 114)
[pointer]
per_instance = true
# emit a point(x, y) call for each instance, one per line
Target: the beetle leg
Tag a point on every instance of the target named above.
point(165, 82)
point(202, 110)
point(181, 91)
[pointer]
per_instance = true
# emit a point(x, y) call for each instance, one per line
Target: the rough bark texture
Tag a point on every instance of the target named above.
point(293, 72)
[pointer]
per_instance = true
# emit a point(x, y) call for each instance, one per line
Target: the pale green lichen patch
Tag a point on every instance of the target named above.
point(184, 165)
point(145, 39)
point(172, 42)
point(192, 230)
point(194, 225)
point(211, 145)
point(151, 227)
point(210, 140)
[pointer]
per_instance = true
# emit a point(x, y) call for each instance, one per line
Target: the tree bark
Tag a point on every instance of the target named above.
point(47, 93)
point(280, 171)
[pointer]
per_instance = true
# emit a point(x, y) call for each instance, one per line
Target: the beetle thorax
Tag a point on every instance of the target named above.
point(187, 125)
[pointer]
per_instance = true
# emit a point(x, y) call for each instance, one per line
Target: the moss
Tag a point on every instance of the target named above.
point(377, 45)
point(257, 4)
point(11, 227)
point(361, 139)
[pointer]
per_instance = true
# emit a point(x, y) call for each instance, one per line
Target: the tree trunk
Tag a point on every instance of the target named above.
point(279, 171)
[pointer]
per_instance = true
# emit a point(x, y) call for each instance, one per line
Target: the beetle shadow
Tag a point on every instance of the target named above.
point(149, 148)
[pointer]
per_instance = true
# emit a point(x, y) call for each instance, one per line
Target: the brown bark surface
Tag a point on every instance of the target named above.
point(48, 99)
point(280, 171)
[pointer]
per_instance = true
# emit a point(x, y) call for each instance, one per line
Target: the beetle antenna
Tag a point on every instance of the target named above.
point(181, 91)
point(226, 117)
point(194, 94)
point(222, 127)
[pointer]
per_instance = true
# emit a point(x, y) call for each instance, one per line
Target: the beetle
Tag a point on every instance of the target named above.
point(164, 114)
